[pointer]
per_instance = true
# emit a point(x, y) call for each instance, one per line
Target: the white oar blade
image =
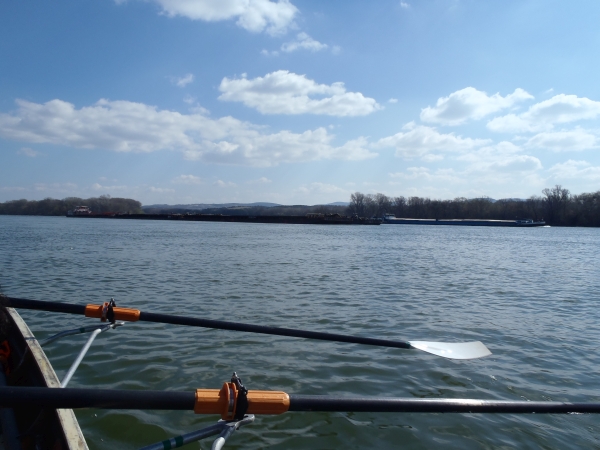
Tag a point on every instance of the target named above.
point(453, 350)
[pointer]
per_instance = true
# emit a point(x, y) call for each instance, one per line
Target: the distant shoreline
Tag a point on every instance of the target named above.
point(308, 219)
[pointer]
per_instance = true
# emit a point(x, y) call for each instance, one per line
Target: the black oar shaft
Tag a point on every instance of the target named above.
point(46, 306)
point(96, 398)
point(233, 326)
point(331, 404)
point(217, 324)
point(177, 400)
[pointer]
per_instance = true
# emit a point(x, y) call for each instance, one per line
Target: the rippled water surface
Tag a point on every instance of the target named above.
point(531, 295)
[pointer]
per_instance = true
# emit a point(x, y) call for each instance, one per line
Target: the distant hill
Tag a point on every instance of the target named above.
point(338, 204)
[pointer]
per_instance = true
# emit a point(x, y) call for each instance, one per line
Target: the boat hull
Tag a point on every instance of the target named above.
point(38, 427)
point(465, 222)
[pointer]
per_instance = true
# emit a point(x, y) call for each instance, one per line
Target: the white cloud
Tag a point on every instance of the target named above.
point(223, 184)
point(320, 188)
point(63, 188)
point(503, 157)
point(575, 170)
point(12, 189)
point(161, 190)
point(252, 15)
point(187, 179)
point(573, 140)
point(355, 150)
point(470, 104)
point(124, 126)
point(197, 109)
point(268, 53)
point(420, 141)
point(515, 164)
point(498, 151)
point(99, 187)
point(183, 81)
point(489, 168)
point(425, 174)
point(404, 5)
point(544, 115)
point(261, 180)
point(514, 123)
point(303, 42)
point(497, 166)
point(31, 153)
point(393, 100)
point(283, 92)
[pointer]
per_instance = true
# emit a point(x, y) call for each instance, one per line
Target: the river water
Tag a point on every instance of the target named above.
point(531, 295)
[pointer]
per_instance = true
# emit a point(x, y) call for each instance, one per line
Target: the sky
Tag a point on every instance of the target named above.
point(297, 101)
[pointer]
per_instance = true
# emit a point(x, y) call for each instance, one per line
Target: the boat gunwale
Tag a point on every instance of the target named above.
point(73, 436)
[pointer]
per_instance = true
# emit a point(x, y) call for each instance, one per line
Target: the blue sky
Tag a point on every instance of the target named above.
point(297, 102)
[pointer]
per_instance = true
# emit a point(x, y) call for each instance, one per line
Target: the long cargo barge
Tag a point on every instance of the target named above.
point(524, 223)
point(309, 219)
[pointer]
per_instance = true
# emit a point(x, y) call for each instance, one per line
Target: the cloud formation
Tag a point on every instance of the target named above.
point(274, 17)
point(542, 116)
point(114, 188)
point(303, 42)
point(29, 152)
point(558, 141)
point(187, 179)
point(425, 174)
point(419, 141)
point(183, 81)
point(284, 92)
point(320, 188)
point(124, 126)
point(224, 184)
point(575, 170)
point(261, 180)
point(470, 104)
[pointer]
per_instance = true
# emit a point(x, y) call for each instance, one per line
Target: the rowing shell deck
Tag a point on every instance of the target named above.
point(37, 427)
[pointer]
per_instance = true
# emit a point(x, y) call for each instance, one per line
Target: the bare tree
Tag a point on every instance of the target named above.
point(357, 204)
point(399, 206)
point(556, 202)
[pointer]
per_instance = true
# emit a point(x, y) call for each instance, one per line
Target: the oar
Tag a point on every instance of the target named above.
point(211, 401)
point(454, 350)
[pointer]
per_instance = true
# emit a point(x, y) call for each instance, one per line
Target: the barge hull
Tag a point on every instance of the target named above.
point(466, 222)
point(333, 220)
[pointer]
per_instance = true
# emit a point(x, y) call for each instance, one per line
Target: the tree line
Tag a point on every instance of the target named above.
point(556, 206)
point(55, 207)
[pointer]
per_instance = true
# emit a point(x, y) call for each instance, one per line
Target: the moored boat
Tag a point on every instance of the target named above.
point(523, 223)
point(79, 211)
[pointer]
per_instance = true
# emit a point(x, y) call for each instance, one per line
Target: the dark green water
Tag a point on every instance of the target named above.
point(531, 295)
